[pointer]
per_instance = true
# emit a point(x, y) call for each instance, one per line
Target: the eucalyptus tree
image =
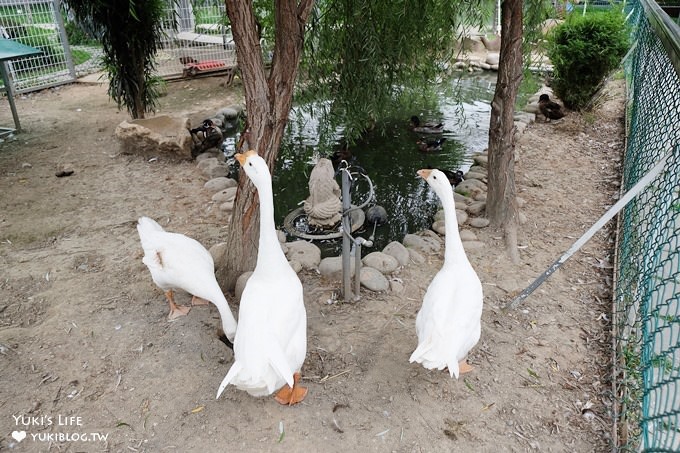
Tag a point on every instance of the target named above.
point(361, 55)
point(130, 32)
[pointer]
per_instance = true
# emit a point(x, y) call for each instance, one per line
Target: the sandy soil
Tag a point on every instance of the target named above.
point(86, 351)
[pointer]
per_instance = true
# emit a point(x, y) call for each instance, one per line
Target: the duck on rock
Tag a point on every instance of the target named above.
point(425, 128)
point(271, 339)
point(550, 109)
point(448, 324)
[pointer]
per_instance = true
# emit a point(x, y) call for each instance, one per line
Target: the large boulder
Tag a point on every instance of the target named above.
point(158, 136)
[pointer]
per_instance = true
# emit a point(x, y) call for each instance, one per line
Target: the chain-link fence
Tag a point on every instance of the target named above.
point(646, 336)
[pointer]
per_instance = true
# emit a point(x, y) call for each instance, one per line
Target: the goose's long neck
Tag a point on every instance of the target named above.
point(269, 246)
point(227, 317)
point(454, 251)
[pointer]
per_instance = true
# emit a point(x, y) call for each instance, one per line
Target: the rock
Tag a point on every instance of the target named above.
point(212, 168)
point(372, 279)
point(415, 256)
point(241, 284)
point(296, 265)
point(382, 262)
point(470, 246)
point(524, 117)
point(227, 206)
point(479, 222)
point(461, 216)
point(461, 200)
point(481, 160)
point(492, 45)
point(439, 215)
point(532, 108)
point(480, 197)
point(421, 244)
point(210, 154)
point(492, 59)
point(308, 254)
point(225, 195)
point(522, 218)
point(281, 236)
point(521, 202)
point(220, 183)
point(471, 187)
point(472, 44)
point(218, 251)
point(520, 126)
point(396, 286)
point(431, 235)
point(160, 135)
point(477, 208)
point(467, 235)
point(475, 175)
point(440, 227)
point(230, 112)
point(331, 267)
point(478, 169)
point(398, 251)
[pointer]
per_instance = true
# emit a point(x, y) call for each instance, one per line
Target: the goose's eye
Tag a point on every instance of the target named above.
point(433, 176)
point(250, 163)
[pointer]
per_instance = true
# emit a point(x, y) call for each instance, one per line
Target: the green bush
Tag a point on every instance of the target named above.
point(583, 51)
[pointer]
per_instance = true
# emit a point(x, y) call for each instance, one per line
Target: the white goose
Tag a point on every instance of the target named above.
point(449, 322)
point(177, 261)
point(271, 339)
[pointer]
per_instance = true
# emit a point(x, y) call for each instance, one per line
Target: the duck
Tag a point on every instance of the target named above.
point(430, 146)
point(448, 324)
point(550, 109)
point(454, 177)
point(425, 128)
point(271, 338)
point(211, 137)
point(177, 262)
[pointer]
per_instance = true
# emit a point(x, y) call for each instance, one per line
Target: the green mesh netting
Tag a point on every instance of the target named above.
point(647, 287)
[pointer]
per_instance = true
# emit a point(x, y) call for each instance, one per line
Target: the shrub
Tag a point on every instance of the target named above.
point(583, 51)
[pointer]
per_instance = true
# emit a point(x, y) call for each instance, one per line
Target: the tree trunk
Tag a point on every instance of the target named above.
point(268, 102)
point(501, 205)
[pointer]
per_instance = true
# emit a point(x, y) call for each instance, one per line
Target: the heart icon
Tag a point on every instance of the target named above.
point(19, 435)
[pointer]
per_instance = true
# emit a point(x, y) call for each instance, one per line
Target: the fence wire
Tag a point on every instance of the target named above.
point(647, 287)
point(38, 24)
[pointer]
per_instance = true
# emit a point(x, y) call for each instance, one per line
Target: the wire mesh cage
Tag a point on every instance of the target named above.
point(37, 24)
point(201, 42)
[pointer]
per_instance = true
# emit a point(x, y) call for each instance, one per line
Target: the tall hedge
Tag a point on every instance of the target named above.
point(583, 51)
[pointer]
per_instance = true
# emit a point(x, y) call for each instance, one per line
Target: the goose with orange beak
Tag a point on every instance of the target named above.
point(271, 339)
point(448, 324)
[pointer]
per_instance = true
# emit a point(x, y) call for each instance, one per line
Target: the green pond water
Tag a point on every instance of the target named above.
point(391, 160)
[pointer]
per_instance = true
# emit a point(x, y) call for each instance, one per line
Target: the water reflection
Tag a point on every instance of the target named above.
point(392, 158)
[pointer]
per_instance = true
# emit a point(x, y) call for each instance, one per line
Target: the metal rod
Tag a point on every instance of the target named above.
point(347, 229)
point(357, 270)
point(637, 188)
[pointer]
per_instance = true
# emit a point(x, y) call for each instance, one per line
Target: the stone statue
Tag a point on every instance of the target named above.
point(323, 206)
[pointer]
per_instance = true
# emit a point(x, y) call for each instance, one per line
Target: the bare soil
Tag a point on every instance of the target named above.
point(86, 351)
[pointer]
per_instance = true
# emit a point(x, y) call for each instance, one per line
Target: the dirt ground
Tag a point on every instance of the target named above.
point(89, 363)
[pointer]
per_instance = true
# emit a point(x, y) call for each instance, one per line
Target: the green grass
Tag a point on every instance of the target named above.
point(80, 56)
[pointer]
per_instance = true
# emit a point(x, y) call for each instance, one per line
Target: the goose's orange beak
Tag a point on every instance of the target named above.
point(424, 173)
point(241, 157)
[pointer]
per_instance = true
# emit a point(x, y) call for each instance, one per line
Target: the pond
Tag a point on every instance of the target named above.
point(391, 159)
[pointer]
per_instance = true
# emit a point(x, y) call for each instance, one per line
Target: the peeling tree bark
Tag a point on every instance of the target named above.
point(269, 97)
point(501, 206)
